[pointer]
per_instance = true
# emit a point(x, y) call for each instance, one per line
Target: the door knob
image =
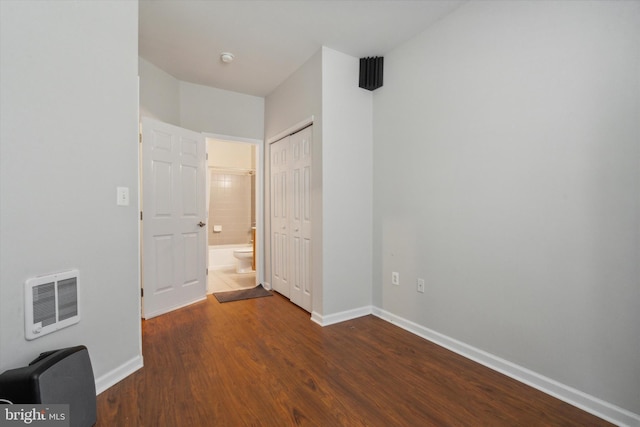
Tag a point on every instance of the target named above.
point(202, 224)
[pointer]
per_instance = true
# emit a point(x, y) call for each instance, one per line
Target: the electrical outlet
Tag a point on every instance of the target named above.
point(395, 278)
point(420, 285)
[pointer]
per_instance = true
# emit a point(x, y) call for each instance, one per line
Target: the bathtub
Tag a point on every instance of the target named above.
point(221, 256)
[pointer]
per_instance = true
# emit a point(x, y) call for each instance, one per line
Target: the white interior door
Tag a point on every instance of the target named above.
point(300, 218)
point(280, 216)
point(174, 215)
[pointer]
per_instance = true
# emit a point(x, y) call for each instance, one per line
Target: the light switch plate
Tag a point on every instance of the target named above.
point(123, 196)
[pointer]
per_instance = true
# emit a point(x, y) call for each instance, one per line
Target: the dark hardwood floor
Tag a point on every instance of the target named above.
point(262, 362)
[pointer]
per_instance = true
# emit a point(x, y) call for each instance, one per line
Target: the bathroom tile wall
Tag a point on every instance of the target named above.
point(230, 207)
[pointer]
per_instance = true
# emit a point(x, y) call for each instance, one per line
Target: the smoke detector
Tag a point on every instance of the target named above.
point(226, 57)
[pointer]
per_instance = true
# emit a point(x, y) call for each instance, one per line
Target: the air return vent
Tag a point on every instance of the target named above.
point(51, 303)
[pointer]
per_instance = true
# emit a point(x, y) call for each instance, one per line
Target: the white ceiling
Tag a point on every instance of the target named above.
point(272, 38)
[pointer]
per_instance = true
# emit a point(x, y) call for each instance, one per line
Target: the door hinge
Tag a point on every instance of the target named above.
point(140, 138)
point(142, 292)
point(140, 215)
point(206, 271)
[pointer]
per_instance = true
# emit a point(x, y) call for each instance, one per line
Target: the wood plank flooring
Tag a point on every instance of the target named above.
point(262, 362)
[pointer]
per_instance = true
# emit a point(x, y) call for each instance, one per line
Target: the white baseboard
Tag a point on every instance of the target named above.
point(316, 317)
point(330, 319)
point(118, 374)
point(588, 403)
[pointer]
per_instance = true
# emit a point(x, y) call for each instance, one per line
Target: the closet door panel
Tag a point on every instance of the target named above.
point(280, 217)
point(301, 217)
point(291, 217)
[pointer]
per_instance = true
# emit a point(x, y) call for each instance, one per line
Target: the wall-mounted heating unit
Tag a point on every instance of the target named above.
point(51, 303)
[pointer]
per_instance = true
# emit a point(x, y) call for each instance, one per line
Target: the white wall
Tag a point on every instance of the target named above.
point(347, 162)
point(68, 138)
point(208, 109)
point(225, 154)
point(296, 99)
point(159, 94)
point(199, 108)
point(506, 173)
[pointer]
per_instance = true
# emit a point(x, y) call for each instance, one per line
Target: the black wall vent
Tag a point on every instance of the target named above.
point(371, 72)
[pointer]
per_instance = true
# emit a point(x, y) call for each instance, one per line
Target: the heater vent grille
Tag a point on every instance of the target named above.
point(44, 304)
point(51, 303)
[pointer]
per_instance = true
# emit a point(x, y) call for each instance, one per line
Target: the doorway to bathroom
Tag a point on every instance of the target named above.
point(234, 205)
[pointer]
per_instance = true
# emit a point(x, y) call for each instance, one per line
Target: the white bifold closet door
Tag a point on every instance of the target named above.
point(291, 217)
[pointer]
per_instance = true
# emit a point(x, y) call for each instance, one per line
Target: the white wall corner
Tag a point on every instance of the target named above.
point(584, 401)
point(342, 316)
point(118, 374)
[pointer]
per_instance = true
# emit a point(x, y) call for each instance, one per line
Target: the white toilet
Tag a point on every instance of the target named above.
point(245, 259)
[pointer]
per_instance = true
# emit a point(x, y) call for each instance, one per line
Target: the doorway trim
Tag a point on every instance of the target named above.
point(290, 130)
point(260, 244)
